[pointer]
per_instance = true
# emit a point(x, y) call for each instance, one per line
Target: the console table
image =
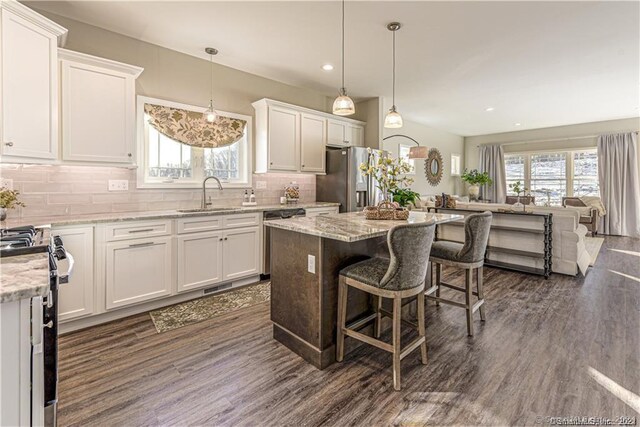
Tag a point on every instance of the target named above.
point(517, 241)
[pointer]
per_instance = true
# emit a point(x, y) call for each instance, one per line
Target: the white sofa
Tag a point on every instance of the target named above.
point(569, 255)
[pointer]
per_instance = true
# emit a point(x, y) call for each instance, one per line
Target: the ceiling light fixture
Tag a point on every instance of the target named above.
point(210, 114)
point(327, 67)
point(393, 119)
point(343, 105)
point(489, 109)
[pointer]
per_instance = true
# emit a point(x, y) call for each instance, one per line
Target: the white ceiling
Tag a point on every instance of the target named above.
point(540, 64)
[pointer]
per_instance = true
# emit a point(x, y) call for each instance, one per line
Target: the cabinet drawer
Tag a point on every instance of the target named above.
point(197, 224)
point(137, 229)
point(241, 220)
point(321, 211)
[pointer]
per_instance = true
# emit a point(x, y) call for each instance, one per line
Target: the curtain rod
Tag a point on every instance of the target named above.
point(548, 140)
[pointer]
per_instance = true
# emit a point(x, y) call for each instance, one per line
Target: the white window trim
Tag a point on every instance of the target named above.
point(458, 158)
point(569, 164)
point(197, 159)
point(411, 162)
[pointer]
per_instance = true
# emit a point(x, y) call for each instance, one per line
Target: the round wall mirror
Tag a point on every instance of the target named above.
point(433, 167)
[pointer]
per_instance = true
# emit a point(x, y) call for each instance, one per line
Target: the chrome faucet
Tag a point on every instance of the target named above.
point(204, 190)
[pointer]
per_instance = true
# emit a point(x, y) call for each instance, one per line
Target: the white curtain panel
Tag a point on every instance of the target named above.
point(491, 159)
point(619, 184)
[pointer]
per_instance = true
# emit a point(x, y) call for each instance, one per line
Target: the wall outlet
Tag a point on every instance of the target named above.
point(118, 185)
point(311, 264)
point(261, 185)
point(6, 183)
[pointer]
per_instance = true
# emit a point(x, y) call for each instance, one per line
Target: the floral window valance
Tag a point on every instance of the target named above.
point(190, 127)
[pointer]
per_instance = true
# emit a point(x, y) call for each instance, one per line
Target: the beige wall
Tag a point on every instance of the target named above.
point(554, 138)
point(446, 142)
point(178, 77)
point(370, 111)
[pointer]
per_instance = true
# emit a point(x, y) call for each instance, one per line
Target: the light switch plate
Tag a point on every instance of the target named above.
point(6, 183)
point(311, 264)
point(118, 185)
point(261, 185)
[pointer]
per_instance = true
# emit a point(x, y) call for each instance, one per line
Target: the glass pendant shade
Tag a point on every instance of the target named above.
point(393, 120)
point(210, 114)
point(419, 152)
point(343, 105)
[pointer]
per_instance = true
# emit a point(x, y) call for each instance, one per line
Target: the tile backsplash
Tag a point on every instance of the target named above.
point(55, 190)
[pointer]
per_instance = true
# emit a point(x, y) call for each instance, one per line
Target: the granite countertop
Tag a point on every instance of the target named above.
point(170, 214)
point(353, 226)
point(24, 276)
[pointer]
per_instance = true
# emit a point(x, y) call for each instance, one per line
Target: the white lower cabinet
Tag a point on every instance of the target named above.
point(199, 260)
point(241, 256)
point(76, 298)
point(138, 270)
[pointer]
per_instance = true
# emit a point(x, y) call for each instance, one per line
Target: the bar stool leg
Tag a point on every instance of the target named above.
point(378, 322)
point(469, 307)
point(421, 328)
point(438, 274)
point(481, 291)
point(342, 318)
point(397, 312)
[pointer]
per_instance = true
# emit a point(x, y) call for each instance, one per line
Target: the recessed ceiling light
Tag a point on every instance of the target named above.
point(327, 67)
point(517, 124)
point(489, 109)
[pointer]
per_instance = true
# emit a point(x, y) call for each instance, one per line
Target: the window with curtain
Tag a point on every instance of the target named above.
point(178, 151)
point(557, 174)
point(403, 153)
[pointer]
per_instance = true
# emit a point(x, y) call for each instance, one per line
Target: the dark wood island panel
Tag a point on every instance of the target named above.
point(304, 304)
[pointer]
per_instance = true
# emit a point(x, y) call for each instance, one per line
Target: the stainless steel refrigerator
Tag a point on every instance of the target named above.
point(344, 182)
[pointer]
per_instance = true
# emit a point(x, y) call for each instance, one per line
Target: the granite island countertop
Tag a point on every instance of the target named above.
point(148, 215)
point(353, 226)
point(24, 276)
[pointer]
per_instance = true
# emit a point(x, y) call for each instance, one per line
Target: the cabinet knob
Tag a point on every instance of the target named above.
point(302, 165)
point(9, 144)
point(129, 154)
point(221, 239)
point(271, 163)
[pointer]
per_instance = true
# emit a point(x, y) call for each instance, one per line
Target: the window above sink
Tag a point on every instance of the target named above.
point(168, 163)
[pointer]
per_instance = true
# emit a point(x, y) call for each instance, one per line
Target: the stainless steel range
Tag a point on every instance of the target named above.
point(33, 240)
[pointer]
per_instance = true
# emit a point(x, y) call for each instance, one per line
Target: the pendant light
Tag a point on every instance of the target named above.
point(210, 114)
point(343, 105)
point(393, 119)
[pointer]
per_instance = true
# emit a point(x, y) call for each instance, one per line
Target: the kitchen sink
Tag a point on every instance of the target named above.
point(206, 210)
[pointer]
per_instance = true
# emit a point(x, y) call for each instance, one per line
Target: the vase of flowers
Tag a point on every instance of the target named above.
point(389, 173)
point(475, 180)
point(8, 200)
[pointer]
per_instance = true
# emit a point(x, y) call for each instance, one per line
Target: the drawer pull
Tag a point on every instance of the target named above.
point(139, 245)
point(141, 231)
point(9, 144)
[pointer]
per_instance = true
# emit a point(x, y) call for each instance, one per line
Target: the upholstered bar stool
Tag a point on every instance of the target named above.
point(469, 256)
point(401, 276)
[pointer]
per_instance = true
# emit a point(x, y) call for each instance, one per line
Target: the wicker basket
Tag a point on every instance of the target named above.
point(385, 211)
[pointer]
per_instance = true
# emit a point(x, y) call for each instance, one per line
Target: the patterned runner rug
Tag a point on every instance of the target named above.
point(198, 310)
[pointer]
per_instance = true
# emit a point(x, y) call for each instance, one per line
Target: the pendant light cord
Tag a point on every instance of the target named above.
point(342, 89)
point(394, 71)
point(211, 70)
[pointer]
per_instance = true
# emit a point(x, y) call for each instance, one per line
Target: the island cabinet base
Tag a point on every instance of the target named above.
point(304, 303)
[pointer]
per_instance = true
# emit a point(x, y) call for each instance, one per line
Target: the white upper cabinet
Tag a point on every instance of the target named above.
point(98, 108)
point(290, 138)
point(337, 133)
point(29, 85)
point(313, 137)
point(284, 139)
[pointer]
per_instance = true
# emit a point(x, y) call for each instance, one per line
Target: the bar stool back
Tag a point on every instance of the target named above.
point(401, 276)
point(469, 256)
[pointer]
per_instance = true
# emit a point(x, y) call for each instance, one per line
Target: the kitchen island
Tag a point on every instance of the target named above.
point(307, 255)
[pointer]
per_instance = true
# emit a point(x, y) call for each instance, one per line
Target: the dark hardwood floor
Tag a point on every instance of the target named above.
point(561, 347)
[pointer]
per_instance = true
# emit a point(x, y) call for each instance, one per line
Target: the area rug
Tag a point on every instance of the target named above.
point(593, 245)
point(198, 310)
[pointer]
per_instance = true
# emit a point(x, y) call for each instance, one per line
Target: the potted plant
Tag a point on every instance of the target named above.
point(518, 188)
point(389, 173)
point(405, 197)
point(475, 179)
point(8, 200)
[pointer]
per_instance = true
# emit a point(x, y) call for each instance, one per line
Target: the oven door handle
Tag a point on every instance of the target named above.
point(63, 279)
